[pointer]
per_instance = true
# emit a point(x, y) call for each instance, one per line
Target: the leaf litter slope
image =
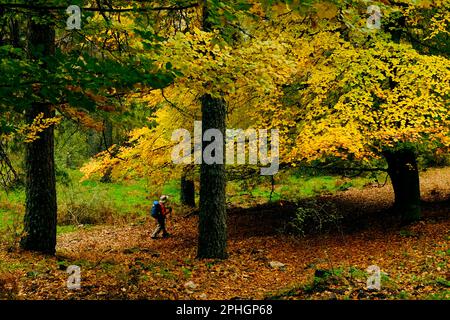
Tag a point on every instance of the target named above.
point(122, 262)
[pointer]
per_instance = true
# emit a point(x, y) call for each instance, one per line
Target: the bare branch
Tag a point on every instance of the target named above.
point(116, 10)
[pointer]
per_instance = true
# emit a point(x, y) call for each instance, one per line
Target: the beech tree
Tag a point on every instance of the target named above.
point(374, 93)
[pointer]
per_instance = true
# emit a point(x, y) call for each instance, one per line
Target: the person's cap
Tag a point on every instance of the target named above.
point(163, 198)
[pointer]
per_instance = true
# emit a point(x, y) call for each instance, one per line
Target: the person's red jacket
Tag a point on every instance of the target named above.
point(163, 209)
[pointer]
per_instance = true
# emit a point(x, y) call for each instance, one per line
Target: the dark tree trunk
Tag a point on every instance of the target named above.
point(41, 209)
point(15, 33)
point(404, 174)
point(187, 195)
point(107, 138)
point(106, 178)
point(212, 216)
point(107, 133)
point(212, 236)
point(94, 142)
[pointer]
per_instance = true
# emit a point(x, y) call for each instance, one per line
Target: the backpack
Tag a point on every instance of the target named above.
point(156, 209)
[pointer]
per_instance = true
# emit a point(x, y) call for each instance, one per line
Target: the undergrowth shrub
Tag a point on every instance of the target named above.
point(12, 232)
point(314, 216)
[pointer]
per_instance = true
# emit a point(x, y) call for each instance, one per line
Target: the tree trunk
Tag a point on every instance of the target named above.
point(41, 209)
point(107, 138)
point(212, 236)
point(15, 33)
point(187, 195)
point(107, 133)
point(212, 216)
point(94, 142)
point(404, 174)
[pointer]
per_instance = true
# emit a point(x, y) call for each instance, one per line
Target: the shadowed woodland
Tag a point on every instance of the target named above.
point(355, 103)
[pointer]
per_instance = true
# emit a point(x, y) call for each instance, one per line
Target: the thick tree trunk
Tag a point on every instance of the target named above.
point(212, 237)
point(41, 208)
point(212, 217)
point(187, 195)
point(404, 174)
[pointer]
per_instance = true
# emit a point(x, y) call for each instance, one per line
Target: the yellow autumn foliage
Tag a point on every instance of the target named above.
point(328, 95)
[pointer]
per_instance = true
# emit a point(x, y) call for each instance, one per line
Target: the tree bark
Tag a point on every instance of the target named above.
point(41, 208)
point(212, 216)
point(187, 195)
point(94, 142)
point(107, 138)
point(15, 33)
point(212, 238)
point(404, 174)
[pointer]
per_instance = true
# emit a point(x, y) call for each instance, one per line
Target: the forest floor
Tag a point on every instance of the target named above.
point(123, 262)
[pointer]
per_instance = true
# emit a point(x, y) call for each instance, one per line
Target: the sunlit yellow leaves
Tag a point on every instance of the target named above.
point(216, 68)
point(440, 24)
point(326, 10)
point(390, 95)
point(148, 152)
point(40, 123)
point(345, 94)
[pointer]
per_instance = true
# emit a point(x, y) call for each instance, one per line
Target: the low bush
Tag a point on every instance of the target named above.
point(314, 216)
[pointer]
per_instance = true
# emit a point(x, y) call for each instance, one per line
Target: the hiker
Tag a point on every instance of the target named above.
point(160, 210)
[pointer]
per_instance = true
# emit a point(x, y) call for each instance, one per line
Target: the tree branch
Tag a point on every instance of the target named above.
point(116, 10)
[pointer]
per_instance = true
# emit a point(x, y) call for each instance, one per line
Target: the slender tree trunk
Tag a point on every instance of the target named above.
point(107, 138)
point(107, 133)
point(187, 195)
point(212, 216)
point(41, 208)
point(94, 143)
point(404, 174)
point(15, 33)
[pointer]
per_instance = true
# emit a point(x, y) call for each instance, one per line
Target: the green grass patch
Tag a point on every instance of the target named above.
point(13, 266)
point(94, 202)
point(443, 282)
point(443, 295)
point(69, 228)
point(357, 273)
